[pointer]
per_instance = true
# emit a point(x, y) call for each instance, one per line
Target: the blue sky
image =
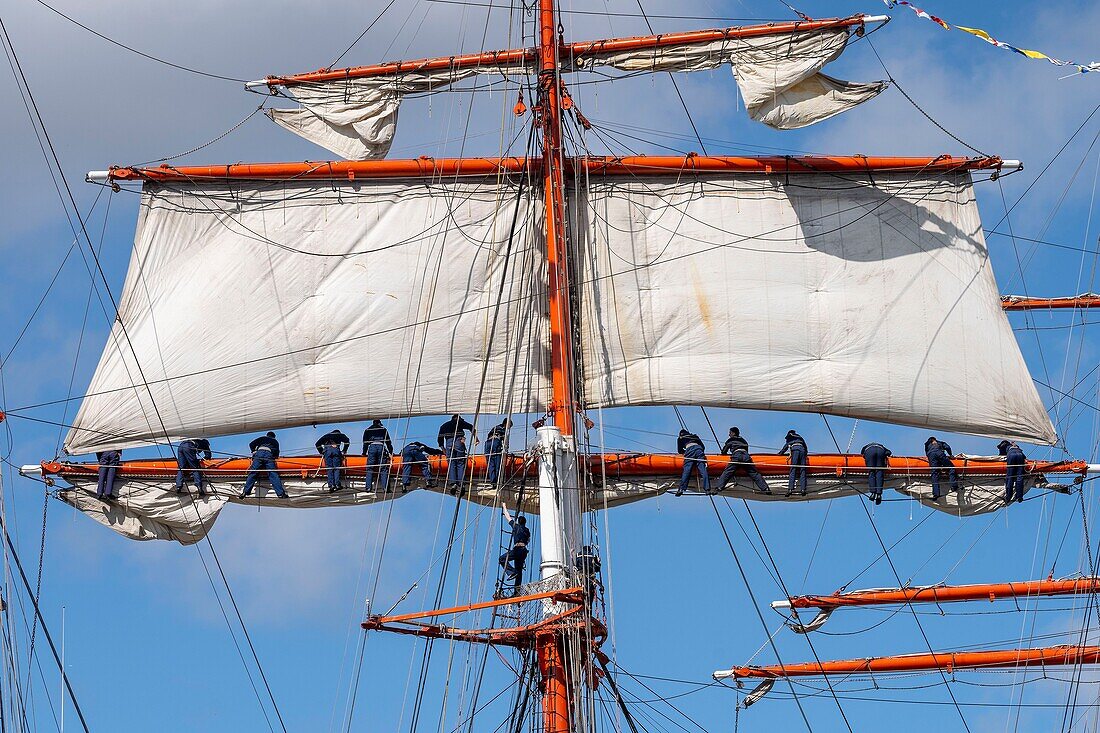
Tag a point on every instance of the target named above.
point(146, 642)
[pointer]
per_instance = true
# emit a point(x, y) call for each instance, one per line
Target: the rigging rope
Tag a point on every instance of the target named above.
point(131, 49)
point(777, 575)
point(208, 143)
point(756, 607)
point(41, 127)
point(920, 109)
point(897, 576)
point(358, 38)
point(45, 628)
point(38, 582)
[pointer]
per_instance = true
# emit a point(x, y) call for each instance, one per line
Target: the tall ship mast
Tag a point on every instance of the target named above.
point(545, 289)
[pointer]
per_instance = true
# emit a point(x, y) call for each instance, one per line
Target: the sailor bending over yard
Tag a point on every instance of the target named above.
point(452, 439)
point(690, 446)
point(416, 454)
point(265, 449)
point(876, 456)
point(737, 448)
point(796, 446)
point(333, 446)
point(378, 448)
point(1015, 467)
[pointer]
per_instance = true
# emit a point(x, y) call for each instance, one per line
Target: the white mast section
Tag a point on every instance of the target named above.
point(559, 500)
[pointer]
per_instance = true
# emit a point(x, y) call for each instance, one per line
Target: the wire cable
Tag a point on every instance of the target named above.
point(131, 49)
point(45, 628)
point(897, 576)
point(41, 126)
point(358, 38)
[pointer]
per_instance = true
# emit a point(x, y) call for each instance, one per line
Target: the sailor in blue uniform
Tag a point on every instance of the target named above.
point(796, 445)
point(333, 447)
point(378, 448)
point(416, 454)
point(109, 461)
point(1015, 468)
point(876, 456)
point(189, 455)
point(494, 449)
point(265, 449)
point(737, 448)
point(939, 457)
point(588, 566)
point(452, 439)
point(516, 557)
point(690, 446)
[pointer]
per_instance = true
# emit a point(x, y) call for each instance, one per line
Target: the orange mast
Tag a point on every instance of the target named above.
point(826, 605)
point(637, 466)
point(946, 593)
point(949, 662)
point(556, 702)
point(634, 165)
point(1022, 303)
point(946, 661)
point(561, 515)
point(574, 52)
point(549, 115)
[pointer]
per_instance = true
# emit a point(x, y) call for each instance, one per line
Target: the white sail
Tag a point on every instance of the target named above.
point(264, 304)
point(146, 511)
point(778, 75)
point(357, 118)
point(857, 295)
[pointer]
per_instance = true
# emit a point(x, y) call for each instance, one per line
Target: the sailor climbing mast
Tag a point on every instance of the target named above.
point(559, 501)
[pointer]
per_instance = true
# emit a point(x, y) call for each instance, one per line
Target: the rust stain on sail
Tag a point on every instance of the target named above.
point(701, 300)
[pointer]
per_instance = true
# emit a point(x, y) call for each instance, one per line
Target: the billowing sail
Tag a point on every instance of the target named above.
point(778, 75)
point(864, 296)
point(255, 305)
point(868, 296)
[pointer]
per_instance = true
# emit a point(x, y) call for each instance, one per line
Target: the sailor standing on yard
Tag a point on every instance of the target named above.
point(189, 455)
point(109, 461)
point(378, 448)
point(1015, 466)
point(737, 448)
point(939, 457)
point(452, 439)
point(494, 449)
point(265, 449)
point(416, 454)
point(333, 446)
point(796, 446)
point(876, 456)
point(690, 446)
point(516, 557)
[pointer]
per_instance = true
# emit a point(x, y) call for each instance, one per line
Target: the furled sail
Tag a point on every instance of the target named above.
point(254, 305)
point(779, 75)
point(353, 112)
point(868, 296)
point(144, 510)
